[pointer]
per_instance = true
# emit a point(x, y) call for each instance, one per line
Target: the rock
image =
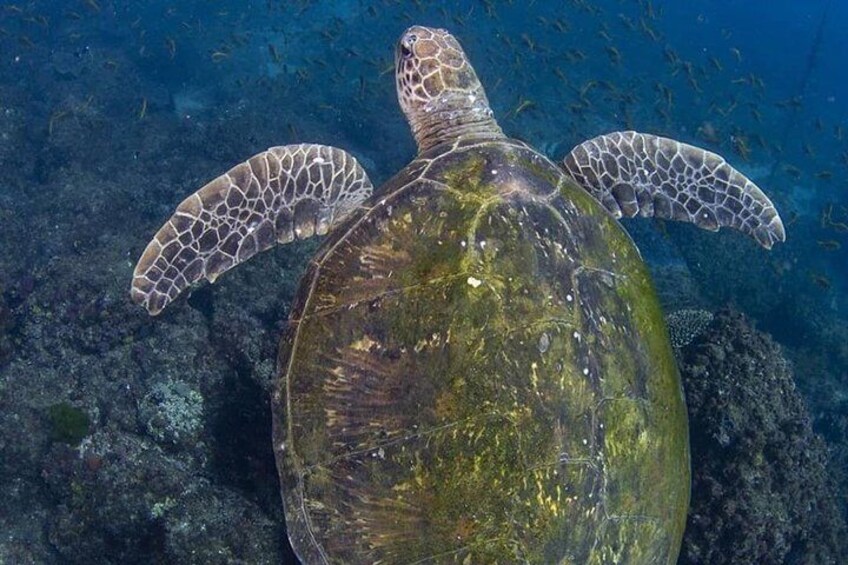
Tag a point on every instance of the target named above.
point(761, 489)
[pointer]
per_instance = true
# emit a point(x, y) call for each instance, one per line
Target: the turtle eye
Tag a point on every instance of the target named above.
point(406, 45)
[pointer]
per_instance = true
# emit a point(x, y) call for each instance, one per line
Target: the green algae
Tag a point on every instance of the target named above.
point(68, 424)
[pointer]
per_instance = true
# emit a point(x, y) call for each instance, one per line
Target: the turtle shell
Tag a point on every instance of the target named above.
point(477, 370)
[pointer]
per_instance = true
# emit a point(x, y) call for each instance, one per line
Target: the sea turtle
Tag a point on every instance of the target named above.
point(476, 368)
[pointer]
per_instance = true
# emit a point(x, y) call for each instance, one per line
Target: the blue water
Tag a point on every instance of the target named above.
point(112, 112)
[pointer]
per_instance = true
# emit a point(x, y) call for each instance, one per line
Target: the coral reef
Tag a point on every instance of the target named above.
point(172, 412)
point(685, 325)
point(761, 490)
point(123, 499)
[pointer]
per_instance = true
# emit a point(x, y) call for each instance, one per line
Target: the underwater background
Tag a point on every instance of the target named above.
point(129, 439)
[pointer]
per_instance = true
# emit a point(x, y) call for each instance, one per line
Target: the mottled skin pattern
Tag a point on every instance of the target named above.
point(476, 368)
point(637, 174)
point(287, 192)
point(494, 382)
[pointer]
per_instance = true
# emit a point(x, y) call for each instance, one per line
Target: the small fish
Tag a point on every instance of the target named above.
point(575, 55)
point(808, 150)
point(561, 25)
point(795, 102)
point(740, 146)
point(523, 104)
point(218, 56)
point(628, 22)
point(275, 55)
point(655, 37)
point(792, 171)
point(793, 218)
point(38, 19)
point(829, 244)
point(649, 10)
point(671, 56)
point(737, 54)
point(587, 86)
point(54, 119)
point(363, 87)
point(665, 93)
point(827, 211)
point(577, 108)
point(171, 46)
point(820, 281)
point(716, 64)
point(824, 175)
point(490, 8)
point(143, 110)
point(708, 133)
point(694, 84)
point(727, 111)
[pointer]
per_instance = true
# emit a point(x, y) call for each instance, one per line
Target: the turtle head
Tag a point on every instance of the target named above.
point(438, 90)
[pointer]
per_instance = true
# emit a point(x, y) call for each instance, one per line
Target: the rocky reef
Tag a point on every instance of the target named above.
point(762, 490)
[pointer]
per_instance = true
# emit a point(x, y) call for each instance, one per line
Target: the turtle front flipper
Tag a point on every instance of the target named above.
point(286, 192)
point(634, 173)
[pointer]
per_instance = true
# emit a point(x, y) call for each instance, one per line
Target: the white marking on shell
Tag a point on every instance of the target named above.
point(474, 282)
point(544, 342)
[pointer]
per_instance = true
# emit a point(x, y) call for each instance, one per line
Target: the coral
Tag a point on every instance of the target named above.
point(172, 412)
point(121, 499)
point(68, 424)
point(686, 325)
point(761, 488)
